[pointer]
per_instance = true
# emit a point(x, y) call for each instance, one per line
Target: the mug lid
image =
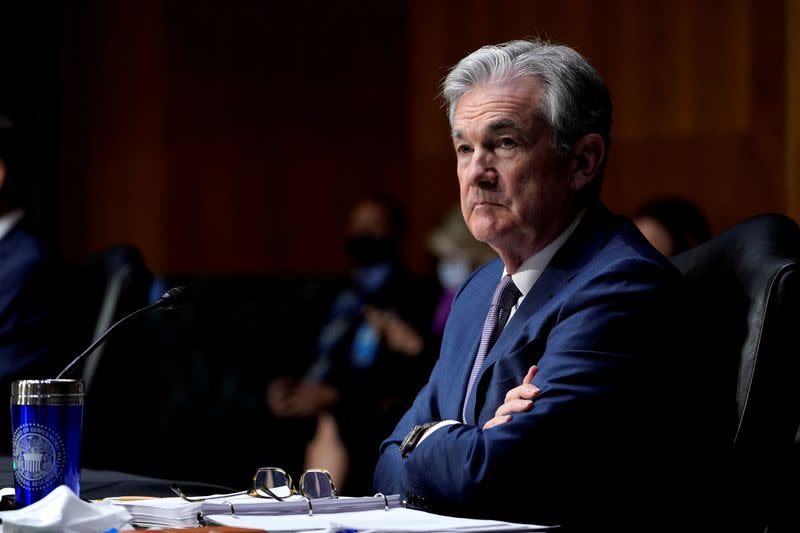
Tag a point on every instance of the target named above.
point(26, 391)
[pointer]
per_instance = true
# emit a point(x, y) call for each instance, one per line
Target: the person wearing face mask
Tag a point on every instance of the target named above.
point(458, 254)
point(371, 351)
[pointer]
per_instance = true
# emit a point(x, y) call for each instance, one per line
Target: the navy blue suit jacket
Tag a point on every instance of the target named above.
point(609, 438)
point(25, 296)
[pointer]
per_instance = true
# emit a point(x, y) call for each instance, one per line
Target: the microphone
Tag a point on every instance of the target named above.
point(175, 297)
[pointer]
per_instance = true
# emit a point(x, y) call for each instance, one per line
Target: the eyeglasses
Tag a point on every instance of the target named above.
point(273, 482)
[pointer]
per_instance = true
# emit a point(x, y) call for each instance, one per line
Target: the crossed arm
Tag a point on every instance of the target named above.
point(518, 400)
point(596, 378)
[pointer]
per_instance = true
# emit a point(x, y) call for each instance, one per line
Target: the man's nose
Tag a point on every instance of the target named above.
point(482, 172)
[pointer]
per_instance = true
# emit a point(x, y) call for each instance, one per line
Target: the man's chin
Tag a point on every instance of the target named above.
point(484, 231)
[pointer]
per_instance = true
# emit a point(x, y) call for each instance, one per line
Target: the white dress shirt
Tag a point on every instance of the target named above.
point(9, 220)
point(530, 269)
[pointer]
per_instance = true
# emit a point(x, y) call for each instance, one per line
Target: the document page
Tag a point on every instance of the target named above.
point(392, 521)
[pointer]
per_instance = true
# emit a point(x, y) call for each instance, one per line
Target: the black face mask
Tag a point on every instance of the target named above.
point(365, 250)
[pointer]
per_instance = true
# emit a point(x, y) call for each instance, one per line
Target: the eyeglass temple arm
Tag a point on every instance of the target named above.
point(174, 487)
point(271, 494)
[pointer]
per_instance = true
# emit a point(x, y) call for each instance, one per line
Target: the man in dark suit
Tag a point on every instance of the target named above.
point(559, 405)
point(25, 276)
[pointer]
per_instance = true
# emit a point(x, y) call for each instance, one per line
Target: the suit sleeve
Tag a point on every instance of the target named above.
point(598, 375)
point(24, 314)
point(424, 409)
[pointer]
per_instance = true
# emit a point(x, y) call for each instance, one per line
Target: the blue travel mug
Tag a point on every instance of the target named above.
point(46, 421)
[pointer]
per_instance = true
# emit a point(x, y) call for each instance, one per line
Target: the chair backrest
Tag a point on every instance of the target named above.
point(112, 283)
point(748, 283)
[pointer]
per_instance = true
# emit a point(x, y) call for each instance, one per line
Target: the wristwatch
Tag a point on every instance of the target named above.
point(412, 439)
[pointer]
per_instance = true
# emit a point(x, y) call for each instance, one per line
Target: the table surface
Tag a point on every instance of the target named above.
point(97, 484)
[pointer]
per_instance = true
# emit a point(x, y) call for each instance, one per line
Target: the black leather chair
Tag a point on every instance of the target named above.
point(748, 283)
point(111, 284)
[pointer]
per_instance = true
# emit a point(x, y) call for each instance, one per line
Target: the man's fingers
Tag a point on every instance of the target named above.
point(496, 421)
point(514, 406)
point(518, 400)
point(529, 376)
point(524, 392)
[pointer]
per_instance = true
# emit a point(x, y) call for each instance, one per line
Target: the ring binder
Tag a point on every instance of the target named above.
point(380, 512)
point(233, 511)
point(178, 512)
point(385, 500)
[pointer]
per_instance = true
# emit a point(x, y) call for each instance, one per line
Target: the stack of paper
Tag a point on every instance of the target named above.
point(160, 512)
point(361, 514)
point(176, 512)
point(394, 521)
point(249, 505)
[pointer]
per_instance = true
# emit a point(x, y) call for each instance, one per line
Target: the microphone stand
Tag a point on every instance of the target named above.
point(170, 299)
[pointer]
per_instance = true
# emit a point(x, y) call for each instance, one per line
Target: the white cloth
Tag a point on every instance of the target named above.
point(62, 511)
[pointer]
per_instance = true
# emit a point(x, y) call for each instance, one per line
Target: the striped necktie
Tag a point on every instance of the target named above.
point(505, 297)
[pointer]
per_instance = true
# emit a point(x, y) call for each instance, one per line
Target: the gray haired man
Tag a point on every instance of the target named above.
point(549, 402)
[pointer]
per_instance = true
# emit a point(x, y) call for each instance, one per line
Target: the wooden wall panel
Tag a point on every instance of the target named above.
point(230, 139)
point(112, 121)
point(792, 142)
point(697, 87)
point(234, 139)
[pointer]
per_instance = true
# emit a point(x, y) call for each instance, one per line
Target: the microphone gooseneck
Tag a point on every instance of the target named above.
point(171, 299)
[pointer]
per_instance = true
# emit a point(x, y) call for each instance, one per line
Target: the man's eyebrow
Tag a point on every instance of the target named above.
point(504, 124)
point(498, 125)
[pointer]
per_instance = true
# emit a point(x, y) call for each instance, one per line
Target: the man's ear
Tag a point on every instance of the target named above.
point(587, 156)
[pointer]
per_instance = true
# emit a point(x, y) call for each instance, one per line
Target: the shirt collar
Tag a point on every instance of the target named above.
point(9, 220)
point(530, 270)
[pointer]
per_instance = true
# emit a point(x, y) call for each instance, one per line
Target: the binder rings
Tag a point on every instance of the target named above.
point(176, 512)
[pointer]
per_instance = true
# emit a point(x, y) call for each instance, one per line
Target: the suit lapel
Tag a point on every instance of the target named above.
point(589, 237)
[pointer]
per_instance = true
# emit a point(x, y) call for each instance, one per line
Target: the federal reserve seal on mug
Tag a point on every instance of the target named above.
point(38, 454)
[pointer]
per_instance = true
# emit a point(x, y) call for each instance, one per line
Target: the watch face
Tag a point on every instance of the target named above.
point(410, 440)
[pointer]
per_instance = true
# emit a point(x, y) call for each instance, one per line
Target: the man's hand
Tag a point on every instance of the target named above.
point(518, 400)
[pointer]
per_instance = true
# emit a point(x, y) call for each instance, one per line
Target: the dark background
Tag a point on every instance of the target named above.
point(227, 140)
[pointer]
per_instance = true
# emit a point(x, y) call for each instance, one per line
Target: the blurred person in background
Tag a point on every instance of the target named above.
point(26, 276)
point(458, 253)
point(673, 225)
point(371, 355)
point(24, 270)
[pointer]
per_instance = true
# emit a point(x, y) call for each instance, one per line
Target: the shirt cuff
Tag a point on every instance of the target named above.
point(431, 429)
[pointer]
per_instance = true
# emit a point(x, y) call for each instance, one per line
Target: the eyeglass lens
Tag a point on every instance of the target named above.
point(275, 480)
point(316, 484)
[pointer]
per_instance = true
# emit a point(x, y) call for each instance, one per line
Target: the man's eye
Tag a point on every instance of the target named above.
point(463, 149)
point(506, 142)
